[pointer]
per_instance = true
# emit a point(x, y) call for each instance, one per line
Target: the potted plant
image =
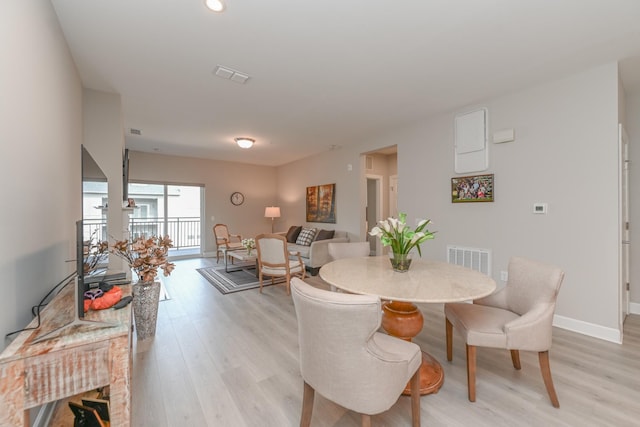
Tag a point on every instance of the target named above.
point(249, 244)
point(396, 233)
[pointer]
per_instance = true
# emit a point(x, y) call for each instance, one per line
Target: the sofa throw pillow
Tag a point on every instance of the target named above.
point(292, 234)
point(306, 236)
point(325, 234)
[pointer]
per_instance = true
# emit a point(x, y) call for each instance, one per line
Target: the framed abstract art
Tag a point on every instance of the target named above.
point(321, 203)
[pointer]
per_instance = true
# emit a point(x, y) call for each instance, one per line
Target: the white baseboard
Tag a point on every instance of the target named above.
point(590, 329)
point(208, 254)
point(634, 308)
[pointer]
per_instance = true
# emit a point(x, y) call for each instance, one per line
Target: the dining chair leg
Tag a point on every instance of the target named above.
point(471, 372)
point(415, 399)
point(307, 405)
point(543, 356)
point(366, 420)
point(449, 334)
point(515, 358)
point(260, 280)
point(288, 279)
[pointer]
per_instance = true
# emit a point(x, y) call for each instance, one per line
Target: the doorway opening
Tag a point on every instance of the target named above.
point(380, 181)
point(373, 211)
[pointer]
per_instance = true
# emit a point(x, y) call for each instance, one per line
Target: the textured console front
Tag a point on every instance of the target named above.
point(54, 376)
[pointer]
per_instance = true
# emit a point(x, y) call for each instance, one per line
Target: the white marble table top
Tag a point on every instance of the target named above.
point(426, 281)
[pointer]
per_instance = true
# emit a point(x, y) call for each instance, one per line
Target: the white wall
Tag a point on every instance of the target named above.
point(40, 137)
point(565, 154)
point(220, 179)
point(103, 137)
point(326, 168)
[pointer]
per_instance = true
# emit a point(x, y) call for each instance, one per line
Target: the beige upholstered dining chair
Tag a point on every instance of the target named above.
point(517, 317)
point(274, 259)
point(224, 240)
point(339, 251)
point(356, 367)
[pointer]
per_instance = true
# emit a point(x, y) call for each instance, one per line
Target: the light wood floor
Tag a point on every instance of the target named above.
point(232, 360)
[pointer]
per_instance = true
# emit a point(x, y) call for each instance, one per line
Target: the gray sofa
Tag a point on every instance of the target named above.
point(316, 255)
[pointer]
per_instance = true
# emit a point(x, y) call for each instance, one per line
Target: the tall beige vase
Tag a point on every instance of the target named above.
point(146, 297)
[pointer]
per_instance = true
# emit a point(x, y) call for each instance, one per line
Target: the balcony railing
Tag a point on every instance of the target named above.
point(184, 231)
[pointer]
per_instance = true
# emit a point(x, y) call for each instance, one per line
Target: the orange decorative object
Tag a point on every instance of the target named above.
point(402, 319)
point(107, 300)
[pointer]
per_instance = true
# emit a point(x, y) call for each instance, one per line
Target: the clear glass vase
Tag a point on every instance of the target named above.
point(400, 262)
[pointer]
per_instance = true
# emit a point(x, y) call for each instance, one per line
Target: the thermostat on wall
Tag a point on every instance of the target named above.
point(539, 208)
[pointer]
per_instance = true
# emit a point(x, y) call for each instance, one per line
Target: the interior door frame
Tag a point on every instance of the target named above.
point(393, 194)
point(624, 241)
point(378, 208)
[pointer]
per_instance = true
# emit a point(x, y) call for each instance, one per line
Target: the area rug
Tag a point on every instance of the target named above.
point(235, 281)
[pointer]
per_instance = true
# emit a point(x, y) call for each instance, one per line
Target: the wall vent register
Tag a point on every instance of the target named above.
point(474, 258)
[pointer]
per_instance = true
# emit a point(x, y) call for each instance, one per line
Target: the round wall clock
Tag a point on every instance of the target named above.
point(237, 198)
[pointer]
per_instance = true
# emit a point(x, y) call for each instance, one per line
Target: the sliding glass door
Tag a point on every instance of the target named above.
point(166, 209)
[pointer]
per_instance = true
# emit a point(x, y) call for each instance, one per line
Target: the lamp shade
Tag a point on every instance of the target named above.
point(272, 212)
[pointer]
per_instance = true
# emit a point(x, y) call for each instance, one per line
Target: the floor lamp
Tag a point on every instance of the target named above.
point(272, 212)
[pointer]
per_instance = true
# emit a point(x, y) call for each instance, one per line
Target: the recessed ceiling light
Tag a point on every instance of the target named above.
point(215, 5)
point(245, 142)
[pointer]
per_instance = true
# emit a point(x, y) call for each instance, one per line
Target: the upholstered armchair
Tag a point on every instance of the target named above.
point(517, 317)
point(356, 367)
point(224, 240)
point(274, 259)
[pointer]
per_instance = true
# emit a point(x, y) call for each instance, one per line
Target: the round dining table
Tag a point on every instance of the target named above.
point(425, 282)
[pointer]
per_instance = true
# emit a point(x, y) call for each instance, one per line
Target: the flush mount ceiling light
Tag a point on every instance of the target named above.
point(245, 142)
point(215, 5)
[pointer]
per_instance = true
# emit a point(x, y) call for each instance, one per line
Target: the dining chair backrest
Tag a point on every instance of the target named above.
point(531, 283)
point(221, 232)
point(357, 367)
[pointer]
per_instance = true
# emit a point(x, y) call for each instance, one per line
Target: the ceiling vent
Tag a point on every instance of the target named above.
point(133, 131)
point(230, 74)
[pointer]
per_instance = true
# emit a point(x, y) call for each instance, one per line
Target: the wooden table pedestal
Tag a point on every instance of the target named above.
point(404, 320)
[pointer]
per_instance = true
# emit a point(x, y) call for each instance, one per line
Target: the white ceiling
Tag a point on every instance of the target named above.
point(327, 73)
